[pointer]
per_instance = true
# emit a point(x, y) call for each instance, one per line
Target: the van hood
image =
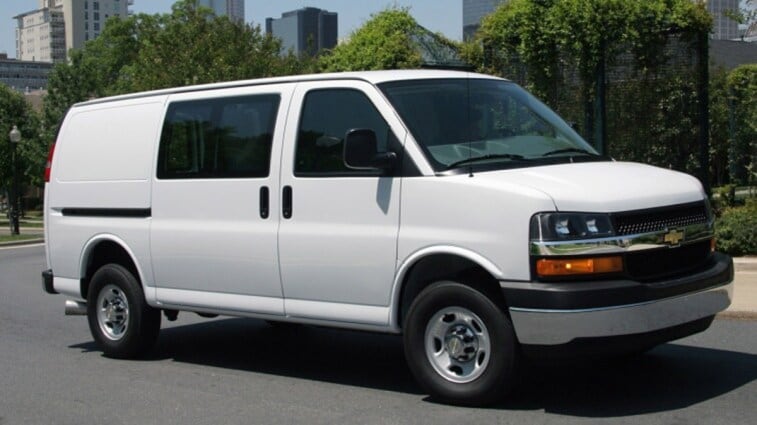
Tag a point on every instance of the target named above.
point(605, 186)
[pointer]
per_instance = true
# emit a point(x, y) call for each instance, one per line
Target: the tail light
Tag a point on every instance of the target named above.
point(49, 163)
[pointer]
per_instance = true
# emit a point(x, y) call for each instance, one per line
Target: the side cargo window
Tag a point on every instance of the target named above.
point(218, 138)
point(327, 115)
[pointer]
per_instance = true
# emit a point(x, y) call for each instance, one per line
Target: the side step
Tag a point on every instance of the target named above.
point(76, 308)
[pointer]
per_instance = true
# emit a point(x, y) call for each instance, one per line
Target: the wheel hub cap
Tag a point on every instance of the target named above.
point(461, 343)
point(112, 312)
point(457, 344)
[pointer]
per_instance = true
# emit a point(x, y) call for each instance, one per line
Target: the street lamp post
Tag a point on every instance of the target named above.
point(15, 138)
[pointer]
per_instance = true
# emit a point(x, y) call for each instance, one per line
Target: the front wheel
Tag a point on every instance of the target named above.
point(120, 320)
point(460, 345)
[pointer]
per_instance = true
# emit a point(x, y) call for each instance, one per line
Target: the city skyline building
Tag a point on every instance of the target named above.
point(307, 30)
point(723, 26)
point(41, 34)
point(24, 76)
point(234, 9)
point(57, 26)
point(473, 12)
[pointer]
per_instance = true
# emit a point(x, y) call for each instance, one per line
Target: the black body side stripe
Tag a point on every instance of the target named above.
point(108, 212)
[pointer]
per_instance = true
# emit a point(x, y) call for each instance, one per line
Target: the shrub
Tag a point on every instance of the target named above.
point(725, 197)
point(736, 229)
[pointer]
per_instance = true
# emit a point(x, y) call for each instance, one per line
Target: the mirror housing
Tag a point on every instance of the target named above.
point(361, 151)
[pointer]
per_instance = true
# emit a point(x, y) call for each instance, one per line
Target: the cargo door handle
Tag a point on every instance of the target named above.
point(287, 202)
point(264, 202)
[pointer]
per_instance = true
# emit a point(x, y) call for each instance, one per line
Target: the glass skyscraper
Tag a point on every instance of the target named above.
point(473, 12)
point(307, 30)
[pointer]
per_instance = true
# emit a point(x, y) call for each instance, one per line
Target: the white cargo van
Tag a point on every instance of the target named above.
point(452, 208)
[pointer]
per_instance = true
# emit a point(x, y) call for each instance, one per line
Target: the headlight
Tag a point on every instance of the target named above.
point(568, 226)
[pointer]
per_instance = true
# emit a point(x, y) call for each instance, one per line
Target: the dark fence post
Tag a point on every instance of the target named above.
point(600, 104)
point(704, 110)
point(588, 129)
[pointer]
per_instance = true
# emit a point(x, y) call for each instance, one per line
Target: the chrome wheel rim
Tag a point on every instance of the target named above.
point(112, 312)
point(457, 344)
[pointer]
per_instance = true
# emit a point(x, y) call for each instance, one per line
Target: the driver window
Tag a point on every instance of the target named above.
point(327, 116)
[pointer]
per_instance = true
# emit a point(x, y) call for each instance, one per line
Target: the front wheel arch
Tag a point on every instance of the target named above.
point(445, 266)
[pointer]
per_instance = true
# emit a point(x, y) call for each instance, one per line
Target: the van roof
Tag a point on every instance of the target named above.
point(373, 77)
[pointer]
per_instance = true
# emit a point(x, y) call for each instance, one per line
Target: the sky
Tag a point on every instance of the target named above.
point(444, 16)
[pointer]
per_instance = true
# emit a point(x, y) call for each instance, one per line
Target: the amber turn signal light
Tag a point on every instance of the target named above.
point(547, 267)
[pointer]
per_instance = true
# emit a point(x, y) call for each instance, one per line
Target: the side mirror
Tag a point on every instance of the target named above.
point(361, 151)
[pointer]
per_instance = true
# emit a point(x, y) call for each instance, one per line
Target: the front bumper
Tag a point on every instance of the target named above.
point(560, 313)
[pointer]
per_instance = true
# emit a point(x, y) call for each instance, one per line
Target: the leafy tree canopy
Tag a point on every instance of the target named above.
point(543, 31)
point(383, 42)
point(14, 110)
point(742, 88)
point(144, 52)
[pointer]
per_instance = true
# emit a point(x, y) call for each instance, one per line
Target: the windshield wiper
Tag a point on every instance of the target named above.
point(488, 156)
point(569, 150)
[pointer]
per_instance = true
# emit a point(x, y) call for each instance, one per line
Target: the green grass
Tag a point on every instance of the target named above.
point(24, 223)
point(18, 238)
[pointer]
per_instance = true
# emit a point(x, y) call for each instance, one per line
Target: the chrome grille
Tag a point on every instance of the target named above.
point(655, 220)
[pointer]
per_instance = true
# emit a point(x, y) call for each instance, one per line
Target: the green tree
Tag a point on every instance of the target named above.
point(192, 46)
point(546, 35)
point(31, 153)
point(383, 42)
point(742, 152)
point(562, 49)
point(145, 52)
point(100, 68)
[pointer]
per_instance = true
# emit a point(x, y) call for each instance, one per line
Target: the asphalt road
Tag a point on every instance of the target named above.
point(229, 371)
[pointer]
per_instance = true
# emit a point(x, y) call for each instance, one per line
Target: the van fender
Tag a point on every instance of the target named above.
point(90, 245)
point(418, 255)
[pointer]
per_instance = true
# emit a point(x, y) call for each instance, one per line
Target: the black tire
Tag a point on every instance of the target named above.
point(120, 320)
point(464, 314)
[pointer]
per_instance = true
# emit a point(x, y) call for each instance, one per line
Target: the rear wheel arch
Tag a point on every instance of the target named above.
point(106, 250)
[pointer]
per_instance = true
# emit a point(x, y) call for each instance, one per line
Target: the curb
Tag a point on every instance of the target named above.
point(745, 264)
point(737, 315)
point(21, 243)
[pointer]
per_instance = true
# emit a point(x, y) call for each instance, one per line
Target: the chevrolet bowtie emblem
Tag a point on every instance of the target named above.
point(673, 237)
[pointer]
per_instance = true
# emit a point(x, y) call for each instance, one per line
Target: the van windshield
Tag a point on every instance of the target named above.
point(484, 124)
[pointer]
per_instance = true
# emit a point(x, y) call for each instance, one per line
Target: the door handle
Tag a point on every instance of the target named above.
point(286, 208)
point(264, 202)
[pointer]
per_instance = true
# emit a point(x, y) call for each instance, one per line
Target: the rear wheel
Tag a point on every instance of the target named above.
point(120, 320)
point(460, 345)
